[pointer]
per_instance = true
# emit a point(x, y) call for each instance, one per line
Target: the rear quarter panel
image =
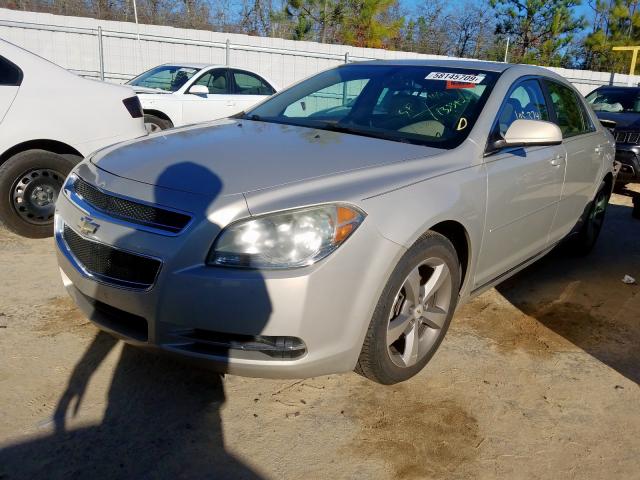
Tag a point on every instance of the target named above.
point(54, 104)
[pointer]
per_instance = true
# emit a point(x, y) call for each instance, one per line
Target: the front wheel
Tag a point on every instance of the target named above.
point(413, 313)
point(30, 183)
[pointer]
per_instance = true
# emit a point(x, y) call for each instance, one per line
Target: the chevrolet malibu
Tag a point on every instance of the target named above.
point(338, 224)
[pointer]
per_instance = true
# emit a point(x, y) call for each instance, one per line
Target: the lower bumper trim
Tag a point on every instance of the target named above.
point(256, 347)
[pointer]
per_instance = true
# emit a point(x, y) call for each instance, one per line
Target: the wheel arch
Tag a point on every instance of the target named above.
point(159, 114)
point(458, 235)
point(53, 146)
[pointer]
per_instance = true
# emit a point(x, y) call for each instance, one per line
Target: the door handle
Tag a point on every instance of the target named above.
point(231, 103)
point(557, 160)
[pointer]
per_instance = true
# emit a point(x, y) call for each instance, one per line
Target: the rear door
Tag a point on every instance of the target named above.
point(585, 146)
point(249, 89)
point(10, 80)
point(523, 188)
point(218, 103)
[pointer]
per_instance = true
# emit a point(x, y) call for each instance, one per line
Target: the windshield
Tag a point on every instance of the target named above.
point(168, 78)
point(615, 101)
point(433, 106)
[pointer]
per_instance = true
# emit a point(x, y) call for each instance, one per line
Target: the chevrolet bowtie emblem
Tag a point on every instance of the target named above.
point(87, 226)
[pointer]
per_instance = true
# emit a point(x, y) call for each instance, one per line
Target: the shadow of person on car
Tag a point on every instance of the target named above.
point(162, 418)
point(584, 300)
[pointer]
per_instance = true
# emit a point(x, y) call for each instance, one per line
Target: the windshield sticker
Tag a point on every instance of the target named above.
point(451, 85)
point(456, 77)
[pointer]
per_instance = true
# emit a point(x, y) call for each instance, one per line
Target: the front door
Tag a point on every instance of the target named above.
point(524, 186)
point(218, 103)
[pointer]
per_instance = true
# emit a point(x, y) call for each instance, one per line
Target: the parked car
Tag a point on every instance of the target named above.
point(338, 224)
point(49, 120)
point(621, 107)
point(175, 95)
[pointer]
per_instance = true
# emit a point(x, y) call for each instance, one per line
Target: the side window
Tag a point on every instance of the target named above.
point(250, 84)
point(215, 81)
point(10, 74)
point(331, 103)
point(525, 102)
point(570, 115)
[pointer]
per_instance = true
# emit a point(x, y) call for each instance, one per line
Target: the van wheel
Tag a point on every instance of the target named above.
point(413, 313)
point(154, 124)
point(30, 183)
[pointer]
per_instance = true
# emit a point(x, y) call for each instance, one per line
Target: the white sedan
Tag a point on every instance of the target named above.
point(49, 120)
point(181, 94)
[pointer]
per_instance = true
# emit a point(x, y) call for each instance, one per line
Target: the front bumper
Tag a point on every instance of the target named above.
point(192, 308)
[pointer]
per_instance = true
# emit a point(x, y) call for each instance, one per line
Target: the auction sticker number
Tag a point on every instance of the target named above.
point(456, 77)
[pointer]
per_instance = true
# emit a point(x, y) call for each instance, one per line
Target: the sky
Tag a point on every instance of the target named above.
point(583, 9)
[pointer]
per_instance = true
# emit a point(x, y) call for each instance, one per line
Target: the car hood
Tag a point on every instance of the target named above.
point(231, 156)
point(624, 120)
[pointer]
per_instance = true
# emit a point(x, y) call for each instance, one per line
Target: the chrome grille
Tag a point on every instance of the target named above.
point(627, 137)
point(131, 211)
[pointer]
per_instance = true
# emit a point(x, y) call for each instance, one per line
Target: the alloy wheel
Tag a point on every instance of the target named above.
point(596, 216)
point(152, 127)
point(419, 312)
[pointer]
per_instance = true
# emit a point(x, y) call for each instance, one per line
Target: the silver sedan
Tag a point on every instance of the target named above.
point(337, 225)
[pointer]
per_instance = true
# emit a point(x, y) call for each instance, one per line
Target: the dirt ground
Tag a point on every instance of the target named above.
point(536, 379)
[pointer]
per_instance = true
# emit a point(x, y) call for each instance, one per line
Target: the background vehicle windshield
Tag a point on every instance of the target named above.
point(165, 77)
point(615, 101)
point(433, 106)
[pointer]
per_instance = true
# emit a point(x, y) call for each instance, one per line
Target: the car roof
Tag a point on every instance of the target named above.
point(428, 62)
point(465, 63)
point(193, 65)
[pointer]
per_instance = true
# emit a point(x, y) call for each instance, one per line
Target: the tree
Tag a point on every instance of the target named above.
point(367, 23)
point(616, 23)
point(317, 20)
point(540, 30)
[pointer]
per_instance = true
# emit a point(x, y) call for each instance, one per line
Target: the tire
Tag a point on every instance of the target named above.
point(155, 124)
point(30, 182)
point(388, 361)
point(583, 242)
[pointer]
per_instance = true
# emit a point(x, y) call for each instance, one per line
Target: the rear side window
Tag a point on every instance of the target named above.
point(525, 102)
point(570, 114)
point(10, 74)
point(249, 84)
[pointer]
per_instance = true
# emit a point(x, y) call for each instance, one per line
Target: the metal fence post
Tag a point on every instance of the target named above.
point(227, 52)
point(346, 57)
point(101, 53)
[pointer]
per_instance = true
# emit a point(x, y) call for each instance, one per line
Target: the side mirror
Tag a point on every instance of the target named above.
point(527, 133)
point(199, 90)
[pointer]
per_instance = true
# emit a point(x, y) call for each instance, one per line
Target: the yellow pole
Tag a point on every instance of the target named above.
point(634, 56)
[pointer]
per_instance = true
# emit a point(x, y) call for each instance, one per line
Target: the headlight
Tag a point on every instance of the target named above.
point(289, 239)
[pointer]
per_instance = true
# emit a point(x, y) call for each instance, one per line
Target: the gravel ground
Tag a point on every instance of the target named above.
point(536, 379)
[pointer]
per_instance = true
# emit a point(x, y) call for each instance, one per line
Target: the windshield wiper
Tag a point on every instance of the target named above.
point(336, 127)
